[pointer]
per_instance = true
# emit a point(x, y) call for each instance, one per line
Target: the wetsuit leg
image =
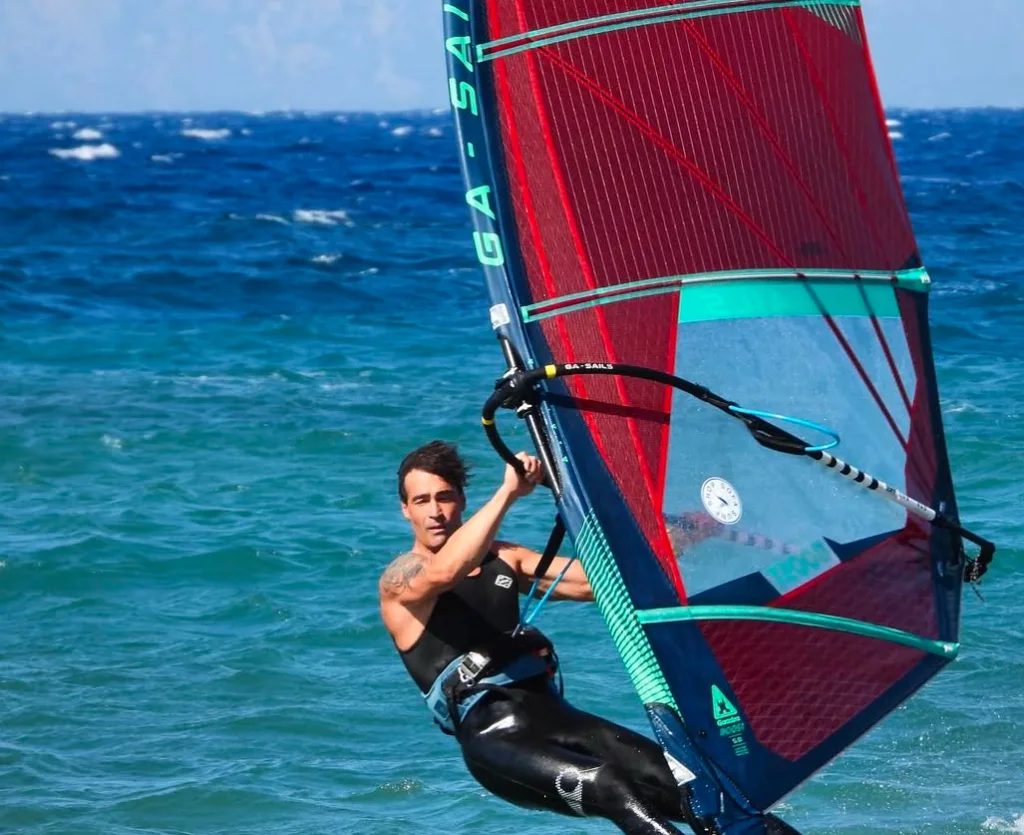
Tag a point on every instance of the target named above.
point(536, 751)
point(641, 756)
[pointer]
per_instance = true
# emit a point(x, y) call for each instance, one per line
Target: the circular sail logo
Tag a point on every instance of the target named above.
point(721, 500)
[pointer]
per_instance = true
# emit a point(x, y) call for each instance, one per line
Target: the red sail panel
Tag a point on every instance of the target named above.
point(768, 150)
point(819, 680)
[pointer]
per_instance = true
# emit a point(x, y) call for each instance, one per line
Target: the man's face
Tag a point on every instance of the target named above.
point(433, 507)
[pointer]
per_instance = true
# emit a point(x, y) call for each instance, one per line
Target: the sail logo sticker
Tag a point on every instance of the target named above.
point(729, 722)
point(465, 103)
point(721, 500)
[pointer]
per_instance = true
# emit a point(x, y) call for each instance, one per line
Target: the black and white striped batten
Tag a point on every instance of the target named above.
point(869, 482)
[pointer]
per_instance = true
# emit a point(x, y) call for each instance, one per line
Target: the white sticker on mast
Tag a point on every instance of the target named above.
point(499, 316)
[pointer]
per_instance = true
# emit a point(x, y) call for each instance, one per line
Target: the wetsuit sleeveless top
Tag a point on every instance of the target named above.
point(478, 614)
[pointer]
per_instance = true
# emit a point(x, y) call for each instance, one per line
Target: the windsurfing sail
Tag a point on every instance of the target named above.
point(707, 189)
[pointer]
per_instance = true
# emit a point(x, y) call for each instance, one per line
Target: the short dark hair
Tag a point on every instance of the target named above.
point(438, 458)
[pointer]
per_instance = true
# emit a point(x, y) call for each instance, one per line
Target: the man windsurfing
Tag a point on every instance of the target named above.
point(451, 605)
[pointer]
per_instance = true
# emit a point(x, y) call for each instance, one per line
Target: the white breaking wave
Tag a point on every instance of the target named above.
point(1000, 825)
point(87, 153)
point(435, 132)
point(206, 134)
point(404, 130)
point(62, 125)
point(893, 123)
point(958, 408)
point(939, 137)
point(323, 217)
point(968, 288)
point(272, 219)
point(943, 181)
point(894, 135)
point(87, 134)
point(166, 157)
point(328, 259)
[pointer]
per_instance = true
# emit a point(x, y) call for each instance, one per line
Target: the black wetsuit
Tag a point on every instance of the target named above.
point(525, 743)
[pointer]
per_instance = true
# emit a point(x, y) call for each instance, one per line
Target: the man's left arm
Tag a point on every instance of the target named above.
point(573, 586)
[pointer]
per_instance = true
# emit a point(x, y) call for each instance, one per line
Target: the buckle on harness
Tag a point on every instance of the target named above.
point(468, 678)
point(471, 667)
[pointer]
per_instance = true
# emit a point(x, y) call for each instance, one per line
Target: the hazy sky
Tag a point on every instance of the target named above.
point(387, 54)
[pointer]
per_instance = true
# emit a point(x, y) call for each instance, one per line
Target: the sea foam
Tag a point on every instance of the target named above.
point(87, 153)
point(323, 217)
point(206, 134)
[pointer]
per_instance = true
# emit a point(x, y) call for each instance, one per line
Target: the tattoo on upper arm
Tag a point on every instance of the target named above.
point(403, 570)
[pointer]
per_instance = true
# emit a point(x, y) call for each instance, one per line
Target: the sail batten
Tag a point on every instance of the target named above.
point(658, 15)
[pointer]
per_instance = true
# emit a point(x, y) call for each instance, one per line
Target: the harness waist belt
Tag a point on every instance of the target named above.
point(440, 702)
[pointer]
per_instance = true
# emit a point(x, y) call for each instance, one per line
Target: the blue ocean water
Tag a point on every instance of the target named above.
point(219, 333)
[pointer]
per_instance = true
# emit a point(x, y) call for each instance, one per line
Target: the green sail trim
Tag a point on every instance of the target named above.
point(744, 294)
point(620, 615)
point(944, 649)
point(640, 17)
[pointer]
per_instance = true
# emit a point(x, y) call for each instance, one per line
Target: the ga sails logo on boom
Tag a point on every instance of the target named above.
point(597, 366)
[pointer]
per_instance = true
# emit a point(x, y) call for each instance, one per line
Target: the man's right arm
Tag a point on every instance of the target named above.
point(413, 577)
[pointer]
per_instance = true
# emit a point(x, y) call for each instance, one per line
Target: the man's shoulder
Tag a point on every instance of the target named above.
point(401, 571)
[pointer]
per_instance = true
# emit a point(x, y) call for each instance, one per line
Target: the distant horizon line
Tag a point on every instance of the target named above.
point(307, 111)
